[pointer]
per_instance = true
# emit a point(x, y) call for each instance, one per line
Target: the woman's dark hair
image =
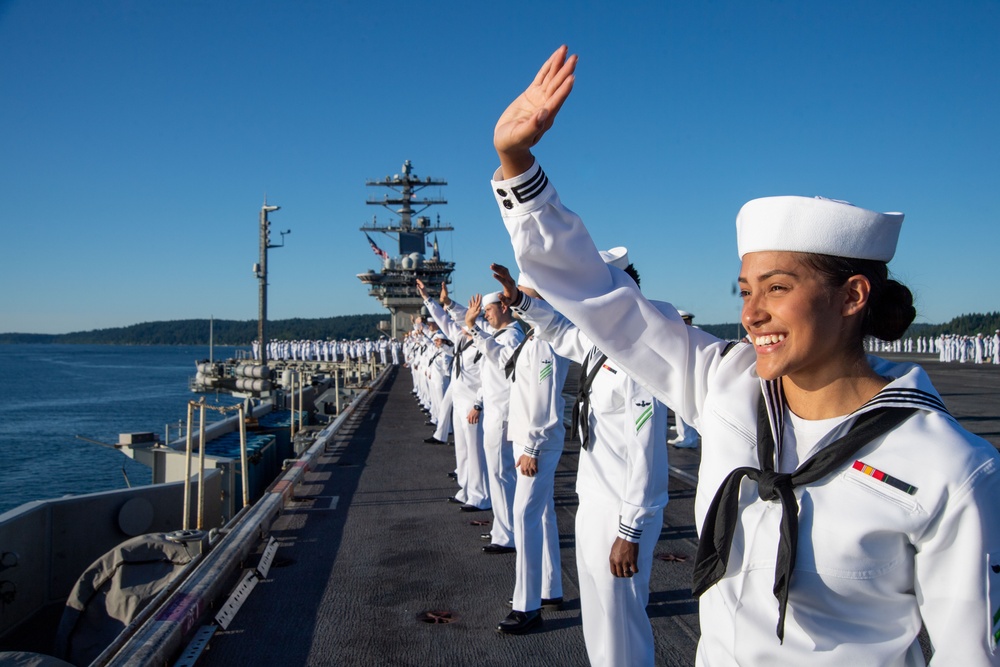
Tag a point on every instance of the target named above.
point(633, 274)
point(890, 305)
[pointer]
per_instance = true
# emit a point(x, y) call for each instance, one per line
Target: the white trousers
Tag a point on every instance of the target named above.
point(502, 477)
point(437, 388)
point(616, 628)
point(470, 457)
point(538, 572)
point(443, 415)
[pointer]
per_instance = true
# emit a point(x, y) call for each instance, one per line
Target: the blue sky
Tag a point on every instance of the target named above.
point(138, 140)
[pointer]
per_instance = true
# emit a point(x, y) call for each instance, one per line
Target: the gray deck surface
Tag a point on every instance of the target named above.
point(373, 544)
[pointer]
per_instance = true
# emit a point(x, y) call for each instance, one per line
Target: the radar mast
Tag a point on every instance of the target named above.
point(411, 235)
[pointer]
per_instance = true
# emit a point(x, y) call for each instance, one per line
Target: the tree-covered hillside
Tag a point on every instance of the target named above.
point(225, 332)
point(236, 332)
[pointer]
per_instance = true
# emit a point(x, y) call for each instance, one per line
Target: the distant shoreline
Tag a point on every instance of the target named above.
point(352, 327)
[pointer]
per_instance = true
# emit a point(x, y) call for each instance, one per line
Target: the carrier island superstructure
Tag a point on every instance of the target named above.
point(395, 284)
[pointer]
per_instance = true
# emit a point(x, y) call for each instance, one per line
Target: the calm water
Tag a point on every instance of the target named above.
point(51, 393)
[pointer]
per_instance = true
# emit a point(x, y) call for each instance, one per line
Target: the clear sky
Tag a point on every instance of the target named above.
point(138, 140)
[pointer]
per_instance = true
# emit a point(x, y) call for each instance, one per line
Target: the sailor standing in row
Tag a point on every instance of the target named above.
point(621, 482)
point(439, 379)
point(496, 348)
point(537, 375)
point(467, 425)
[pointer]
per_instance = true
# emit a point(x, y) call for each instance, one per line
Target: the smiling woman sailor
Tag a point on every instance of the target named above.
point(841, 507)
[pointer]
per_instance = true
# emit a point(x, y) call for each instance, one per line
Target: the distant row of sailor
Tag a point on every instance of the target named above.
point(332, 350)
point(978, 349)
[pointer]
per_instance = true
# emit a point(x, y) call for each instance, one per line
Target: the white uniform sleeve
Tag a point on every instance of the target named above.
point(566, 339)
point(647, 473)
point(450, 327)
point(958, 574)
point(659, 351)
point(456, 311)
point(497, 349)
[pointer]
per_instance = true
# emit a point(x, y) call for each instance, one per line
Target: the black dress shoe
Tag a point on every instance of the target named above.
point(455, 500)
point(519, 622)
point(453, 475)
point(470, 508)
point(498, 549)
point(555, 604)
point(434, 441)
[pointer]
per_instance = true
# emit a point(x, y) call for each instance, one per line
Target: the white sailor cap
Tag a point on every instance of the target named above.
point(617, 256)
point(816, 225)
point(438, 335)
point(491, 297)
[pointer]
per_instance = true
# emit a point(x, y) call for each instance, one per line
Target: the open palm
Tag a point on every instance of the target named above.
point(529, 116)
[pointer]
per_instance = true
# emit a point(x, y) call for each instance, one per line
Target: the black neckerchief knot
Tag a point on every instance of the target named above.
point(723, 514)
point(769, 484)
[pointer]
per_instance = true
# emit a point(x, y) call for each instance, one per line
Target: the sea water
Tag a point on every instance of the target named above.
point(50, 394)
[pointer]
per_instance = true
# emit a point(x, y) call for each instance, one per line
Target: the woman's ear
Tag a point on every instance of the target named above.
point(857, 290)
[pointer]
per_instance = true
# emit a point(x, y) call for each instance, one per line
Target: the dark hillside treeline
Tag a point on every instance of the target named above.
point(236, 332)
point(226, 332)
point(963, 325)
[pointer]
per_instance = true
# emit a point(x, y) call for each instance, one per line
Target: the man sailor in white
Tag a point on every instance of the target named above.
point(536, 429)
point(841, 507)
point(496, 348)
point(621, 482)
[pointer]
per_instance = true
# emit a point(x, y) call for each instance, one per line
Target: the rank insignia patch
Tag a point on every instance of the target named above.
point(883, 477)
point(646, 412)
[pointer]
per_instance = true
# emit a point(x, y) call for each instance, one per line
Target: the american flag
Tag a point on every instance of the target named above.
point(378, 251)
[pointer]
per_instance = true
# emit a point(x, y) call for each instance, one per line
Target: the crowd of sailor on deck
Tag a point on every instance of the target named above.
point(385, 350)
point(841, 510)
point(977, 349)
point(490, 378)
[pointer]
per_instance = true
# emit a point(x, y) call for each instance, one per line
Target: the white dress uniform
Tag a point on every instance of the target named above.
point(466, 382)
point(497, 348)
point(622, 484)
point(537, 430)
point(439, 368)
point(904, 536)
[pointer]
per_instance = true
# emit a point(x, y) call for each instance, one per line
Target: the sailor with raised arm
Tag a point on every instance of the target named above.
point(621, 483)
point(840, 506)
point(537, 375)
point(497, 347)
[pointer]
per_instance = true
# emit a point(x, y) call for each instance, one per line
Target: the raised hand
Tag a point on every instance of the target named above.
point(503, 276)
point(531, 115)
point(421, 288)
point(475, 304)
point(444, 299)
